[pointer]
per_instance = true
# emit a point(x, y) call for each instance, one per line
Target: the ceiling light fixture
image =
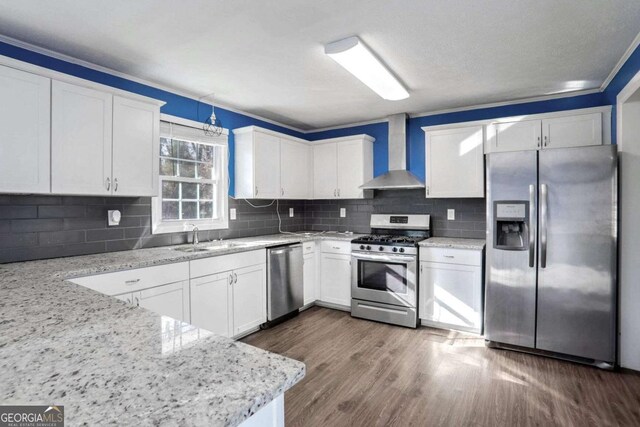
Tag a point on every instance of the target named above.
point(353, 55)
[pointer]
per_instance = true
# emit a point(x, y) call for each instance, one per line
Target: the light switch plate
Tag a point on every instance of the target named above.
point(113, 218)
point(451, 214)
point(343, 213)
point(290, 212)
point(232, 213)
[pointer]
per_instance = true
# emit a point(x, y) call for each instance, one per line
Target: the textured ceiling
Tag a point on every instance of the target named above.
point(267, 58)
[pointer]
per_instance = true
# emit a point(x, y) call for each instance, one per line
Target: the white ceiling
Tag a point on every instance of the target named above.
point(266, 57)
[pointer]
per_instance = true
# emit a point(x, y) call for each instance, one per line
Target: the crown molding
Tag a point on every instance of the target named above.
point(632, 47)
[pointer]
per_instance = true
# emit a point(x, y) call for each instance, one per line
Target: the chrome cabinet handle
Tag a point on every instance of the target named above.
point(538, 142)
point(427, 190)
point(338, 192)
point(137, 302)
point(235, 277)
point(544, 208)
point(546, 140)
point(132, 281)
point(230, 279)
point(115, 184)
point(282, 191)
point(128, 300)
point(421, 268)
point(532, 228)
point(448, 256)
point(335, 193)
point(256, 190)
point(108, 184)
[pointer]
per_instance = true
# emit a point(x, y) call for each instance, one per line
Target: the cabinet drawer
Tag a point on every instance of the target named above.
point(451, 256)
point(134, 280)
point(218, 264)
point(308, 247)
point(336, 247)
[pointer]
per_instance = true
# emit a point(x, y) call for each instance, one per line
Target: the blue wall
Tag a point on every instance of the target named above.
point(176, 105)
point(187, 108)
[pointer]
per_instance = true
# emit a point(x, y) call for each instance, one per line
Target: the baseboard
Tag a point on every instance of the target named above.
point(333, 306)
point(629, 371)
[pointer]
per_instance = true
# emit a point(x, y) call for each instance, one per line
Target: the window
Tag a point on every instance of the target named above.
point(193, 180)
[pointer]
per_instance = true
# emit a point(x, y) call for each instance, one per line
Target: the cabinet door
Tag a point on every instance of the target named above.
point(168, 300)
point(451, 295)
point(266, 166)
point(455, 162)
point(81, 124)
point(514, 136)
point(350, 170)
point(128, 297)
point(573, 131)
point(294, 169)
point(309, 272)
point(210, 303)
point(325, 171)
point(249, 289)
point(25, 132)
point(136, 141)
point(335, 281)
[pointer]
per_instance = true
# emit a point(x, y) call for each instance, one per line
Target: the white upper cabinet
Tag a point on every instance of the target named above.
point(572, 131)
point(270, 165)
point(136, 132)
point(81, 125)
point(295, 165)
point(576, 128)
point(266, 167)
point(25, 124)
point(325, 171)
point(455, 162)
point(514, 135)
point(341, 166)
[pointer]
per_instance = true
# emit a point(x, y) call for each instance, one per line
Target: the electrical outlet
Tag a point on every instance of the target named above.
point(451, 214)
point(343, 213)
point(232, 213)
point(290, 212)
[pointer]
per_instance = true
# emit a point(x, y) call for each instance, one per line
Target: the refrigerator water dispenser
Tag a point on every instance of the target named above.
point(511, 225)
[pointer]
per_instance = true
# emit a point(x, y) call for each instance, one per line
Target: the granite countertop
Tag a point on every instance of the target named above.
point(454, 243)
point(107, 361)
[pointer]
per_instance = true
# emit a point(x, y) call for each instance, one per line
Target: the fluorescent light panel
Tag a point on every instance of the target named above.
point(353, 55)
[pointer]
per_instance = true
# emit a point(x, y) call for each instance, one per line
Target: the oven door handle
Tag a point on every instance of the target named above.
point(388, 258)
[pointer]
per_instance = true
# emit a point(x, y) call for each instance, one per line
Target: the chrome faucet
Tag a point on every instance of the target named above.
point(194, 234)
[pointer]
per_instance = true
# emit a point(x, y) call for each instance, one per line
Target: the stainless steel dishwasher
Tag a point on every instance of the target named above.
point(284, 281)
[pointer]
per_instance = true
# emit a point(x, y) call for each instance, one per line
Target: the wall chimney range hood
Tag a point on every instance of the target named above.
point(398, 176)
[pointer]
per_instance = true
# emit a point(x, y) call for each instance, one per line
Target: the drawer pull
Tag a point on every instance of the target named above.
point(132, 281)
point(448, 256)
point(335, 247)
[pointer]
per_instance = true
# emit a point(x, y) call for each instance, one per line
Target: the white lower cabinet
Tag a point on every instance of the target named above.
point(450, 294)
point(335, 274)
point(210, 303)
point(249, 290)
point(163, 289)
point(228, 293)
point(310, 272)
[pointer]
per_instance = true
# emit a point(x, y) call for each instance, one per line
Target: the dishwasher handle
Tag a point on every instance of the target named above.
point(282, 250)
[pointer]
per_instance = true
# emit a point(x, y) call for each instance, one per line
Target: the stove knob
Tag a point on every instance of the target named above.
point(396, 249)
point(361, 247)
point(368, 247)
point(381, 248)
point(401, 249)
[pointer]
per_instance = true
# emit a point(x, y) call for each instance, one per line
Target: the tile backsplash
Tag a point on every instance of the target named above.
point(38, 227)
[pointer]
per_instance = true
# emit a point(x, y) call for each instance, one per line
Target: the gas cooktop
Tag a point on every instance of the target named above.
point(389, 239)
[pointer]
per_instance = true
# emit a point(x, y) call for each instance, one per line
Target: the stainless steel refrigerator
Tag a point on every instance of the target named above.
point(551, 253)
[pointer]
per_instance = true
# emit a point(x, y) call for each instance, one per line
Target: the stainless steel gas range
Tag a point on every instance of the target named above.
point(384, 275)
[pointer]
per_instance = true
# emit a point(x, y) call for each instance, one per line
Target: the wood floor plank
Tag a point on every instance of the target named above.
point(362, 373)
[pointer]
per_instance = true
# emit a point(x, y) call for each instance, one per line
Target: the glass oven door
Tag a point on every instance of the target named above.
point(384, 278)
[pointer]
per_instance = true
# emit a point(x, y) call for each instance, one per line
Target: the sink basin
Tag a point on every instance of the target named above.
point(212, 247)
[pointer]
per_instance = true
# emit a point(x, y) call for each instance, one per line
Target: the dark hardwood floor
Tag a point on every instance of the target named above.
point(362, 373)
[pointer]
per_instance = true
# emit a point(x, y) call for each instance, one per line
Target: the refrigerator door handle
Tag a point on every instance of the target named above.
point(532, 228)
point(543, 224)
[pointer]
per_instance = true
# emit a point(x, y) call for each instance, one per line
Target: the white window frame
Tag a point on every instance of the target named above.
point(189, 130)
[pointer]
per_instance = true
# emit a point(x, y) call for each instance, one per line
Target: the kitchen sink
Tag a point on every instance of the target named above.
point(209, 247)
